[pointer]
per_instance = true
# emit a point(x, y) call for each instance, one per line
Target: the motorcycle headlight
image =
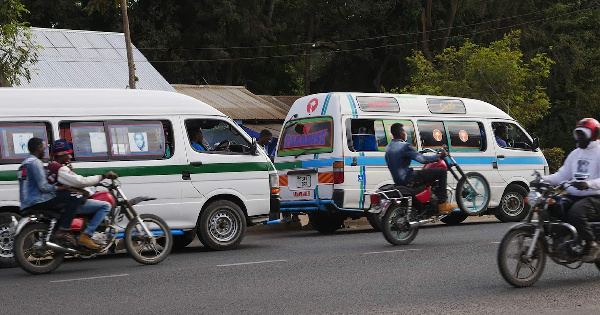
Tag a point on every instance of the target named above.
point(533, 197)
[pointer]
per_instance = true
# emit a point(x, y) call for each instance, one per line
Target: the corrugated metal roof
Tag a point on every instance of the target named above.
point(88, 59)
point(235, 101)
point(275, 129)
point(282, 101)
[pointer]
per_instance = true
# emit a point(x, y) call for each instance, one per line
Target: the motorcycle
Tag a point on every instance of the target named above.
point(523, 249)
point(404, 209)
point(147, 237)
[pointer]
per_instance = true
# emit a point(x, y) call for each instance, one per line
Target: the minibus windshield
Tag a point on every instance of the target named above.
point(306, 136)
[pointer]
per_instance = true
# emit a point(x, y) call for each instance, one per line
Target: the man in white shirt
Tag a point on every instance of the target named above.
point(585, 194)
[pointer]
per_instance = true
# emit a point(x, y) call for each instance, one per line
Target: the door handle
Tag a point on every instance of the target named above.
point(186, 175)
point(500, 156)
point(196, 163)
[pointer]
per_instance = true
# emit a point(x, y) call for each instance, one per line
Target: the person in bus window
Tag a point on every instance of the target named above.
point(197, 140)
point(501, 134)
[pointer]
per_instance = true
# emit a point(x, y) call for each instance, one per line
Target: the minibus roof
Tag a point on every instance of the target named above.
point(16, 102)
point(409, 104)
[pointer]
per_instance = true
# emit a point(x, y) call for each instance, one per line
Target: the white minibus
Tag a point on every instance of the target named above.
point(146, 138)
point(332, 146)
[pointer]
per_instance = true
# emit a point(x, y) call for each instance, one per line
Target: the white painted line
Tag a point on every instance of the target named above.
point(92, 278)
point(496, 242)
point(253, 262)
point(391, 251)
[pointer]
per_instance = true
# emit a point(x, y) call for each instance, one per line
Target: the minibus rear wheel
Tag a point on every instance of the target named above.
point(512, 207)
point(325, 223)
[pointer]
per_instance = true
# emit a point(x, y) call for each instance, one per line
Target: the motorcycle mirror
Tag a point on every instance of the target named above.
point(535, 144)
point(253, 147)
point(581, 176)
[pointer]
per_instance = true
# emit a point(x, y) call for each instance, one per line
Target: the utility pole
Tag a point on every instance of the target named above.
point(130, 64)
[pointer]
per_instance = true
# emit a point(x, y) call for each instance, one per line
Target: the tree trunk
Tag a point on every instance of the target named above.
point(130, 64)
point(377, 81)
point(450, 21)
point(426, 23)
point(311, 31)
point(270, 13)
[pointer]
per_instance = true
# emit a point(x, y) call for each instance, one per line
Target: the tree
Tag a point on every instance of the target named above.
point(17, 51)
point(496, 74)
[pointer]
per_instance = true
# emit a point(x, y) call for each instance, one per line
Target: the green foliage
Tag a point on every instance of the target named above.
point(496, 74)
point(555, 158)
point(17, 52)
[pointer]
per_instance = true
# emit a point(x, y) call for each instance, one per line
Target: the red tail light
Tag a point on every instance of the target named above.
point(338, 172)
point(375, 199)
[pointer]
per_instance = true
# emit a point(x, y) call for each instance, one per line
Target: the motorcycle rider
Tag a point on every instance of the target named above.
point(60, 172)
point(35, 191)
point(398, 156)
point(584, 195)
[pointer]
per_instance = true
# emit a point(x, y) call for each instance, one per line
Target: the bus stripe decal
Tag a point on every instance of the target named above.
point(325, 105)
point(352, 106)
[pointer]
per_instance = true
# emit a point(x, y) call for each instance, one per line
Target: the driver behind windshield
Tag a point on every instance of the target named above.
point(584, 196)
point(198, 142)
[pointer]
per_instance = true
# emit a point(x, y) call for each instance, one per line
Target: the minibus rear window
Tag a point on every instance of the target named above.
point(14, 138)
point(306, 136)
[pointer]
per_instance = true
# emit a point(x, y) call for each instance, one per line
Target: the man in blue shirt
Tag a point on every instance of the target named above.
point(198, 140)
point(501, 133)
point(34, 190)
point(398, 156)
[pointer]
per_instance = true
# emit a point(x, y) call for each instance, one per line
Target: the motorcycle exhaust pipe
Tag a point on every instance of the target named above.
point(415, 224)
point(58, 248)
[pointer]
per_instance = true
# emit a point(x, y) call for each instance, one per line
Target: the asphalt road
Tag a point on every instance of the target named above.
point(446, 270)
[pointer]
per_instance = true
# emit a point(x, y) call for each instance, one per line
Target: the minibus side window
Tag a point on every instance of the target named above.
point(466, 136)
point(408, 126)
point(433, 134)
point(364, 135)
point(15, 136)
point(136, 140)
point(88, 140)
point(215, 136)
point(511, 136)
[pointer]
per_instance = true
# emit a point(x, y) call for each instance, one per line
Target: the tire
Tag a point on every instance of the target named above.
point(397, 233)
point(139, 245)
point(473, 203)
point(512, 273)
point(222, 225)
point(375, 221)
point(325, 223)
point(512, 207)
point(598, 264)
point(34, 262)
point(455, 218)
point(7, 258)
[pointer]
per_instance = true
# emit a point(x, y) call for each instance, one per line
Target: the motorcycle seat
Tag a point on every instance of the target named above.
point(406, 191)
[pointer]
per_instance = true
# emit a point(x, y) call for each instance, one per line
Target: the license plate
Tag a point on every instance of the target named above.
point(303, 181)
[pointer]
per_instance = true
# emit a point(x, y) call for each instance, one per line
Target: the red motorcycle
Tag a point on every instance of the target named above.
point(403, 209)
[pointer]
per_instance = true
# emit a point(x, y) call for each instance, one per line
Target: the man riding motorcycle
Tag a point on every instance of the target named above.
point(583, 196)
point(61, 173)
point(398, 156)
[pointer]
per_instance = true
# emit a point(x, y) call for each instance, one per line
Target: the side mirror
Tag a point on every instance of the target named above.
point(253, 147)
point(535, 144)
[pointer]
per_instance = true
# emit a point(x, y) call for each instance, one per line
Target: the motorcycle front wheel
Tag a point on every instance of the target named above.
point(395, 227)
point(473, 201)
point(31, 253)
point(139, 244)
point(515, 267)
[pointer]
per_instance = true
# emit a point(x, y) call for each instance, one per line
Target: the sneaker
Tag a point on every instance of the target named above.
point(64, 238)
point(86, 241)
point(444, 208)
point(591, 253)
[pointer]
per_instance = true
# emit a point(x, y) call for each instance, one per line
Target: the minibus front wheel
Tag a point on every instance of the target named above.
point(512, 207)
point(222, 225)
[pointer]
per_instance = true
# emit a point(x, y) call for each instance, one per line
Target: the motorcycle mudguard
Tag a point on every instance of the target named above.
point(23, 222)
point(424, 196)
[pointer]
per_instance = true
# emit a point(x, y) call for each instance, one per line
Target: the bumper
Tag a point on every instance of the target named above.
point(275, 206)
point(314, 205)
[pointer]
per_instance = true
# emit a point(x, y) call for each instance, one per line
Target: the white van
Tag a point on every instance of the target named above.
point(145, 137)
point(332, 146)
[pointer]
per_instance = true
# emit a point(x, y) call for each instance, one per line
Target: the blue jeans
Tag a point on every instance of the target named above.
point(99, 208)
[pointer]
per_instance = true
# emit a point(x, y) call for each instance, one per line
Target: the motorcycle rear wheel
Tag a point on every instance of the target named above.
point(394, 226)
point(35, 260)
point(519, 241)
point(473, 202)
point(139, 244)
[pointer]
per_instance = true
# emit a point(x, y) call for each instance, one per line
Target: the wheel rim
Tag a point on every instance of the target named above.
point(33, 251)
point(518, 265)
point(142, 242)
point(474, 200)
point(512, 204)
point(397, 224)
point(223, 225)
point(6, 242)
